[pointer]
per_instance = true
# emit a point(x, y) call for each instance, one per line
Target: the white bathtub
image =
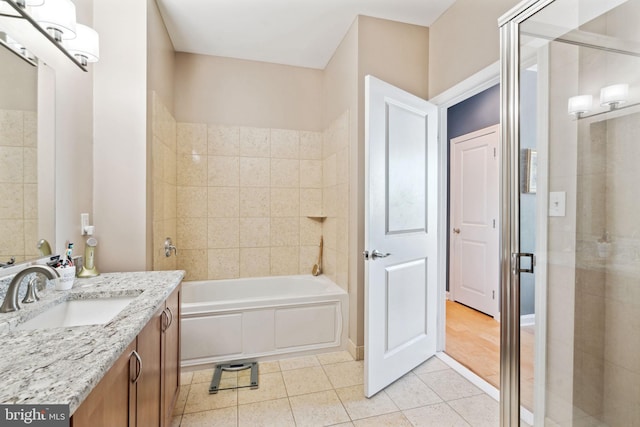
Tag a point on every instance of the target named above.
point(238, 319)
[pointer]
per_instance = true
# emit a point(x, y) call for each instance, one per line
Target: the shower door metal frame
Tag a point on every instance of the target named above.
point(510, 209)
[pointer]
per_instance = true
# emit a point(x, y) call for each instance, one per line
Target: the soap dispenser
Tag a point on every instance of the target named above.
point(89, 263)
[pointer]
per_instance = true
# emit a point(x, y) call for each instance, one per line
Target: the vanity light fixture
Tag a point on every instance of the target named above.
point(579, 105)
point(613, 96)
point(58, 17)
point(25, 3)
point(85, 47)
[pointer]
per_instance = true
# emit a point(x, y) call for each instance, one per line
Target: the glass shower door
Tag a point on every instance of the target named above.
point(571, 192)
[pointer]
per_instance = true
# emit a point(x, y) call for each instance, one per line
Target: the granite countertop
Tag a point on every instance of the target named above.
point(63, 365)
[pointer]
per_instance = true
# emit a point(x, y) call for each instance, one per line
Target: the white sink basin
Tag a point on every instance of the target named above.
point(78, 313)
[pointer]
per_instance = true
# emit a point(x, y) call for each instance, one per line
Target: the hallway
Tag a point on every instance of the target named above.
point(473, 339)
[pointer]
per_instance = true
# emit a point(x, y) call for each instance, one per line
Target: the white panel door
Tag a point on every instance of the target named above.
point(400, 225)
point(474, 217)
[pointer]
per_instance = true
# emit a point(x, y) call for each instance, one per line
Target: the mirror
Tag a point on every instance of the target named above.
point(18, 159)
point(26, 163)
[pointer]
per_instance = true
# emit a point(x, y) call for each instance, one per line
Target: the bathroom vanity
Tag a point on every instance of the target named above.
point(121, 371)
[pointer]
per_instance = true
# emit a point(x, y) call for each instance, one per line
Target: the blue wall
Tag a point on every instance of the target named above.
point(481, 111)
point(475, 113)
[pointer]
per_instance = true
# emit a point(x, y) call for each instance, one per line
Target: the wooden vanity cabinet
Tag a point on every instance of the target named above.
point(171, 356)
point(143, 385)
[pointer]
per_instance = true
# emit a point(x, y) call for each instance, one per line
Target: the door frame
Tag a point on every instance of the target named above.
point(482, 80)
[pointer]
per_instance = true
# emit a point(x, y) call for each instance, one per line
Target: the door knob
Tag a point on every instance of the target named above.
point(377, 254)
point(456, 231)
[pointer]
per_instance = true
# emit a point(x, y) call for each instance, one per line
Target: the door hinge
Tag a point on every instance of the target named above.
point(494, 223)
point(493, 294)
point(494, 153)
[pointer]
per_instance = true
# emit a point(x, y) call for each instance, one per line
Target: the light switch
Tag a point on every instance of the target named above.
point(557, 203)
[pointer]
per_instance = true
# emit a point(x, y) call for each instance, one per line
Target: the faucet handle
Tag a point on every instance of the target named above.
point(168, 247)
point(32, 290)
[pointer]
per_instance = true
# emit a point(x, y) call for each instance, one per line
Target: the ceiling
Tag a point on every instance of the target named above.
point(303, 33)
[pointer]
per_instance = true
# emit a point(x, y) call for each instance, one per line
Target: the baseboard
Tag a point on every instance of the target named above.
point(528, 320)
point(357, 352)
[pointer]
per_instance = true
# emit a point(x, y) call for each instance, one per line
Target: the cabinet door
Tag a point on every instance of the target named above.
point(149, 383)
point(171, 355)
point(112, 401)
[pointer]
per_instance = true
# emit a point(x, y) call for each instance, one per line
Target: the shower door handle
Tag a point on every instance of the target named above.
point(516, 257)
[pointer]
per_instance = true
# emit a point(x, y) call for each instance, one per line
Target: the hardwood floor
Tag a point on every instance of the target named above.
point(473, 339)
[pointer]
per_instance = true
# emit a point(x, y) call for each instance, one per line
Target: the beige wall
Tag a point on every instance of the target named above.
point(228, 91)
point(340, 88)
point(464, 40)
point(120, 136)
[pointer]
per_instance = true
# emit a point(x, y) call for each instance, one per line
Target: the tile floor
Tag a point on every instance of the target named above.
point(327, 390)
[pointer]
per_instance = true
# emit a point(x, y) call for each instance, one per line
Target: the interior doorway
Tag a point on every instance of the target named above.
point(472, 331)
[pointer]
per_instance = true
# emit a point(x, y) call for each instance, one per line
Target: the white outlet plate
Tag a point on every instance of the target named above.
point(557, 203)
point(84, 223)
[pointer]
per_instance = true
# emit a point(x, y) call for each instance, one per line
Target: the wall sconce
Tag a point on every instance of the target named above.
point(579, 105)
point(25, 3)
point(58, 17)
point(613, 96)
point(86, 45)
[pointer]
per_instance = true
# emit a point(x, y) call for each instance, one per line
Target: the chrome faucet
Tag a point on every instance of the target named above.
point(11, 299)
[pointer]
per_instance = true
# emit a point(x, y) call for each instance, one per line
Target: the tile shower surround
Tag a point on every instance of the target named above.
point(18, 185)
point(243, 196)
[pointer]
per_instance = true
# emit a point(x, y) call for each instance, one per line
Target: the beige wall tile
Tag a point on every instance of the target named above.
point(285, 231)
point(255, 232)
point(255, 262)
point(223, 233)
point(31, 238)
point(194, 263)
point(329, 260)
point(285, 260)
point(191, 233)
point(170, 201)
point(30, 129)
point(255, 202)
point(285, 173)
point(13, 158)
point(308, 257)
point(157, 159)
point(170, 165)
point(310, 174)
point(12, 199)
point(223, 171)
point(30, 165)
point(285, 144)
point(342, 166)
point(11, 128)
point(191, 202)
point(192, 170)
point(254, 142)
point(254, 172)
point(30, 201)
point(310, 202)
point(311, 145)
point(191, 138)
point(310, 231)
point(223, 202)
point(329, 171)
point(12, 232)
point(285, 202)
point(158, 200)
point(224, 263)
point(223, 140)
point(329, 201)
